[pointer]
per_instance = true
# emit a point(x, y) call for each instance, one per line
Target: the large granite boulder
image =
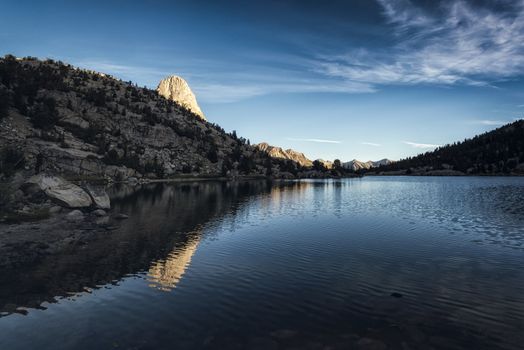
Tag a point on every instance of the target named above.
point(59, 190)
point(99, 196)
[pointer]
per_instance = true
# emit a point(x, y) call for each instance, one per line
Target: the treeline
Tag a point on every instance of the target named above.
point(497, 151)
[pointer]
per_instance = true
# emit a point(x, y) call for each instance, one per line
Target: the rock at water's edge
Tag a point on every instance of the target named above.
point(99, 197)
point(59, 190)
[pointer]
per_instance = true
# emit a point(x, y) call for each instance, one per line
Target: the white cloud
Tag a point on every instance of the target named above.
point(223, 86)
point(456, 43)
point(118, 69)
point(463, 45)
point(137, 74)
point(491, 122)
point(371, 144)
point(420, 145)
point(314, 140)
point(220, 93)
point(224, 93)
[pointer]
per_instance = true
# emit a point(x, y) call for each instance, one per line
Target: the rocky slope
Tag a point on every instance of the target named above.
point(289, 154)
point(59, 119)
point(356, 165)
point(176, 89)
point(325, 163)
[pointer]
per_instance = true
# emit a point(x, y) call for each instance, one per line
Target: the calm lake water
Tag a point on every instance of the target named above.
point(402, 262)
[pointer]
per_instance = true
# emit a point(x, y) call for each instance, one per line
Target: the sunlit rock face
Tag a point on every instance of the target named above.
point(356, 165)
point(277, 152)
point(326, 163)
point(176, 89)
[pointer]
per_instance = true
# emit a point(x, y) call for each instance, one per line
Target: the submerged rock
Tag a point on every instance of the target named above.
point(75, 215)
point(99, 212)
point(55, 209)
point(121, 216)
point(102, 221)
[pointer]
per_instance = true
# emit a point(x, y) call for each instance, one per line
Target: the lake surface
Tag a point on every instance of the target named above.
point(402, 262)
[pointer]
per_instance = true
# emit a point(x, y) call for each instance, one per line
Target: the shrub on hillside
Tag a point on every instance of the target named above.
point(4, 103)
point(11, 160)
point(44, 114)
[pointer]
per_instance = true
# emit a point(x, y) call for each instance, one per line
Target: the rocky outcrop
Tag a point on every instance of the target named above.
point(357, 165)
point(277, 152)
point(65, 193)
point(326, 163)
point(382, 162)
point(99, 196)
point(59, 190)
point(176, 89)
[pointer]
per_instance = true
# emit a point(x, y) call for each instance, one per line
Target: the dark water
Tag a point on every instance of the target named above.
point(402, 263)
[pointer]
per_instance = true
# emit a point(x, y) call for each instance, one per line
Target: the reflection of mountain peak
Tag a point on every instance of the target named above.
point(165, 274)
point(154, 216)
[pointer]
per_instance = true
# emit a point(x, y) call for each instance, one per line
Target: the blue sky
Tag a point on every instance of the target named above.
point(334, 79)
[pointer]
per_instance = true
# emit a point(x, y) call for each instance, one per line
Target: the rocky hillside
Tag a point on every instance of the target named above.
point(357, 165)
point(176, 89)
point(327, 164)
point(59, 119)
point(500, 151)
point(289, 154)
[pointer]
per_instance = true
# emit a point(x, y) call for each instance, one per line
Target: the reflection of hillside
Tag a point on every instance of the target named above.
point(164, 274)
point(163, 219)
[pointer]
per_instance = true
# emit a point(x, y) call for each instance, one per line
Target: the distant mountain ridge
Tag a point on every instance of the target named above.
point(325, 163)
point(357, 165)
point(301, 159)
point(290, 154)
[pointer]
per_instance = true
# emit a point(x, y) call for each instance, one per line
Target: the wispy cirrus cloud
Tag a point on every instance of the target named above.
point(234, 91)
point(314, 140)
point(458, 44)
point(371, 144)
point(420, 145)
point(223, 86)
point(143, 75)
point(491, 122)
